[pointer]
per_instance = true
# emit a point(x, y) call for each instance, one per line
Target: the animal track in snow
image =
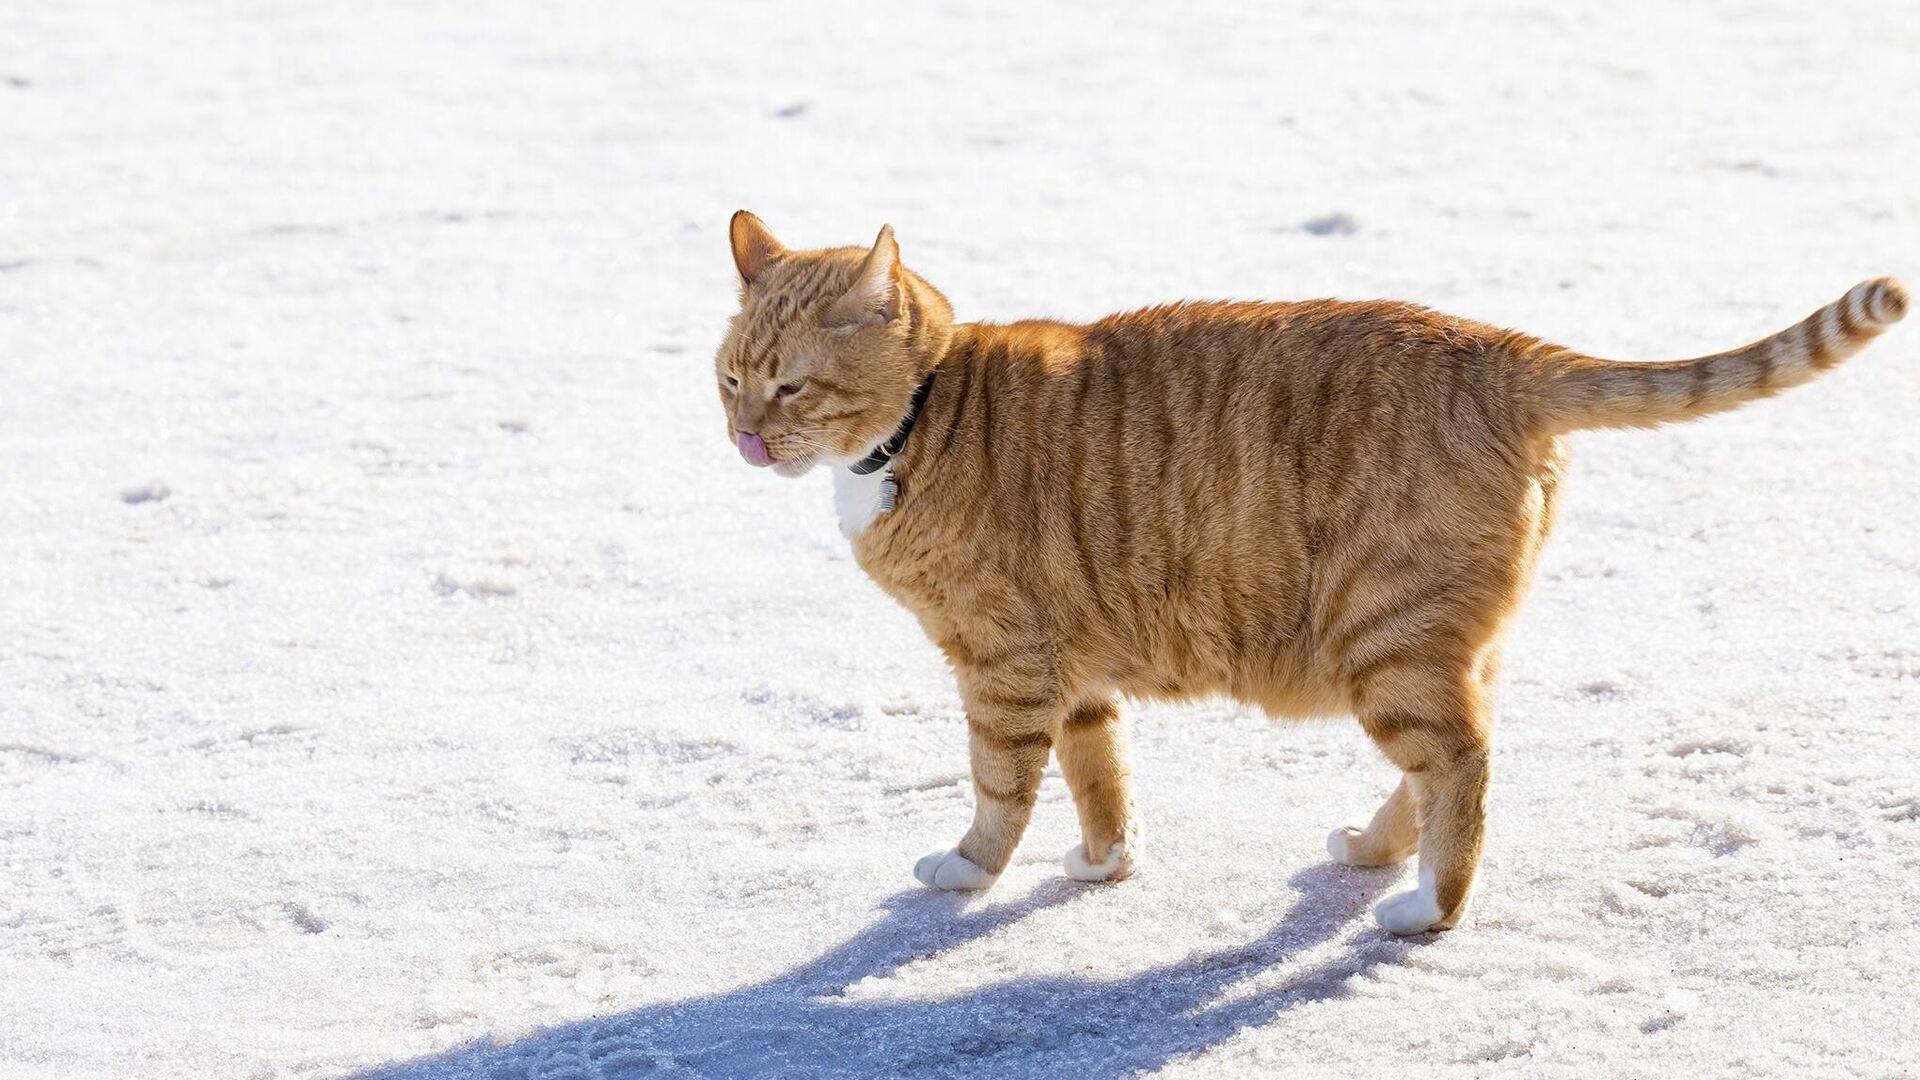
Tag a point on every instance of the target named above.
point(945, 782)
point(20, 763)
point(620, 746)
point(1717, 744)
point(38, 756)
point(841, 716)
point(303, 917)
point(1586, 568)
point(1906, 809)
point(482, 588)
point(152, 491)
point(1335, 224)
point(1602, 690)
point(213, 808)
point(1718, 833)
point(251, 738)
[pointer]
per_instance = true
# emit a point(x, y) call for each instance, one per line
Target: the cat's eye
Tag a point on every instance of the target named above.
point(733, 383)
point(790, 389)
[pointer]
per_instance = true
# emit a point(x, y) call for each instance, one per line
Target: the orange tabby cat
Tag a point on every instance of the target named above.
point(1316, 507)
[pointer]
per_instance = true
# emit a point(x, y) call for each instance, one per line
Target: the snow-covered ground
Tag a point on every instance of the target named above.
point(401, 676)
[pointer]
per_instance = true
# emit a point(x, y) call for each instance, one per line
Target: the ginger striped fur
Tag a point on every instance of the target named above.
point(1317, 508)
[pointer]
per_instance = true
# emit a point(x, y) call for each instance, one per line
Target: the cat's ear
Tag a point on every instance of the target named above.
point(754, 246)
point(874, 299)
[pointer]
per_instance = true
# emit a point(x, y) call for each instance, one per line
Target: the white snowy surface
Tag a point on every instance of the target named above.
point(401, 676)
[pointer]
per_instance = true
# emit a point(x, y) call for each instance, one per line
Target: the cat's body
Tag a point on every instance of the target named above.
point(1316, 508)
point(1214, 498)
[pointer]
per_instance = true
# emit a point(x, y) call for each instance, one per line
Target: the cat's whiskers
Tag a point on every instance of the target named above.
point(816, 450)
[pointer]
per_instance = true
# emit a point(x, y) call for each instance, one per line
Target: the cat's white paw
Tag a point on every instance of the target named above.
point(1117, 866)
point(952, 870)
point(1412, 912)
point(1338, 844)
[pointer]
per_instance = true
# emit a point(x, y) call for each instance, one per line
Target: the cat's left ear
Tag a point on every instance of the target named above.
point(754, 246)
point(874, 299)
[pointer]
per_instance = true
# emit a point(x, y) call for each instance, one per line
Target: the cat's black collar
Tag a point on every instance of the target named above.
point(883, 453)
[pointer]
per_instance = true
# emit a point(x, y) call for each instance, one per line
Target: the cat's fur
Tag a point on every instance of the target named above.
point(1318, 507)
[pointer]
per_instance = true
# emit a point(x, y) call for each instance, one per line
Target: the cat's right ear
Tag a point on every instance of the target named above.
point(754, 247)
point(874, 299)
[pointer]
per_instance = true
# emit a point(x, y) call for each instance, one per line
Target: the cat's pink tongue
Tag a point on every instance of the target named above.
point(754, 450)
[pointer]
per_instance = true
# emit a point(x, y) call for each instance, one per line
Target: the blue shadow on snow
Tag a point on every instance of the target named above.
point(801, 1024)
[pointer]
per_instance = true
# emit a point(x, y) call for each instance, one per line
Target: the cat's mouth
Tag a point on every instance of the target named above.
point(755, 451)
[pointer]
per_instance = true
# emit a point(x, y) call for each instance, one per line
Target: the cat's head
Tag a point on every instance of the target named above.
point(821, 363)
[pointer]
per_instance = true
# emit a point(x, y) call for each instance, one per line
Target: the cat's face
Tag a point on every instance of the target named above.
point(821, 363)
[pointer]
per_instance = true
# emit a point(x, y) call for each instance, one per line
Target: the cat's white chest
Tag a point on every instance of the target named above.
point(856, 499)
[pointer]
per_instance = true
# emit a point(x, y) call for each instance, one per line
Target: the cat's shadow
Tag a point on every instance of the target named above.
point(805, 1023)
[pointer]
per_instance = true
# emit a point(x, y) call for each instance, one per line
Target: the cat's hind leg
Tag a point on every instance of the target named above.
point(1392, 835)
point(1433, 724)
point(1092, 749)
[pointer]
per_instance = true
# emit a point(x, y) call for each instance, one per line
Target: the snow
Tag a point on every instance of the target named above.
point(401, 677)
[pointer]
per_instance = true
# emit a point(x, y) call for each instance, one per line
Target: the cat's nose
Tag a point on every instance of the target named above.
point(754, 449)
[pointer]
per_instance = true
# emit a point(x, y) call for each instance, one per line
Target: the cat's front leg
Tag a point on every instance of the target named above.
point(1010, 730)
point(1092, 749)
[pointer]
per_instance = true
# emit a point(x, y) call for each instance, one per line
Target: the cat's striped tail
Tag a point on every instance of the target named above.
point(1569, 391)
